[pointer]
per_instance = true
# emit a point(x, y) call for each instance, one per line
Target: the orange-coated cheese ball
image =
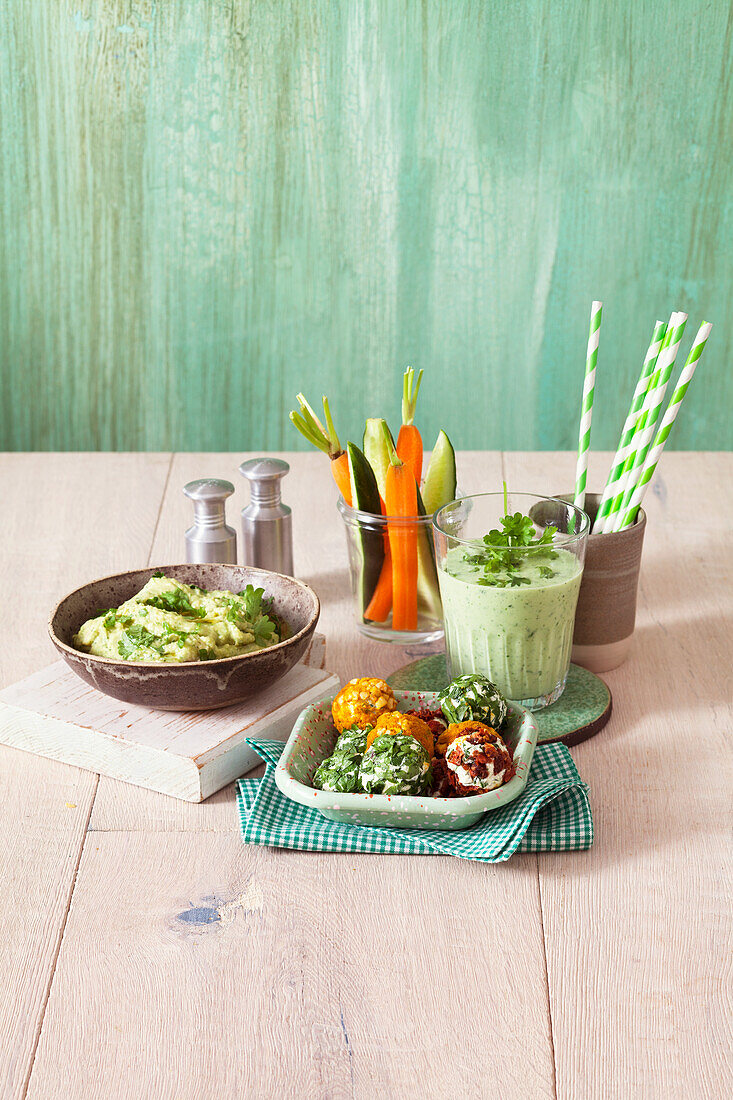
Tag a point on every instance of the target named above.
point(408, 725)
point(361, 703)
point(461, 729)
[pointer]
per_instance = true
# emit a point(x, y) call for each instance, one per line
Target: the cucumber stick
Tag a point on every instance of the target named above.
point(439, 487)
point(369, 544)
point(375, 450)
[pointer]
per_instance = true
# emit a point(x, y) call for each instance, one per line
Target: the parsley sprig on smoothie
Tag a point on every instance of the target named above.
point(509, 582)
point(504, 551)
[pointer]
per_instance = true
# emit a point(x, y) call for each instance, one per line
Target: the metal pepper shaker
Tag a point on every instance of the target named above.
point(210, 539)
point(267, 523)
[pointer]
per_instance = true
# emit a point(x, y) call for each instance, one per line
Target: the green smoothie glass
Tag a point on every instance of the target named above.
point(509, 603)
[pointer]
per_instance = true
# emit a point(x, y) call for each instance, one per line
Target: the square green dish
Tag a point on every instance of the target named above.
point(314, 737)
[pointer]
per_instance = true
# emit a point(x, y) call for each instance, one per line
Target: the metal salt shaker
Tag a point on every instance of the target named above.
point(210, 539)
point(267, 523)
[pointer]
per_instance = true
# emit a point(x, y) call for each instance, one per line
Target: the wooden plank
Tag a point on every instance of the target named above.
point(632, 928)
point(70, 518)
point(63, 523)
point(320, 560)
point(43, 820)
point(54, 714)
point(640, 997)
point(210, 206)
point(274, 974)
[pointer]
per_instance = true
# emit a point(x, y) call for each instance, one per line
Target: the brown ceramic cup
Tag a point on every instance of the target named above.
point(606, 612)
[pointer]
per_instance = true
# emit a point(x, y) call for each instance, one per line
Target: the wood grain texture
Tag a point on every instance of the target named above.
point(219, 970)
point(638, 942)
point(50, 503)
point(206, 207)
point(54, 714)
point(190, 965)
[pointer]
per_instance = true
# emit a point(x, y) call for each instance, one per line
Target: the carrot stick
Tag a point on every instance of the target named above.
point(409, 448)
point(326, 440)
point(381, 601)
point(409, 441)
point(400, 498)
point(340, 471)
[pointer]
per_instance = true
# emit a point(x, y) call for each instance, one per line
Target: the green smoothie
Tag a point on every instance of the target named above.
point(513, 625)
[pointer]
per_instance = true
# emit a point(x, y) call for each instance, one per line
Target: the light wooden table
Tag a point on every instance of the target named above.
point(145, 952)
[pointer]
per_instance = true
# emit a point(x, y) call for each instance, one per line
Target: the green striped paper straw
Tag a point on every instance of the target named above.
point(649, 416)
point(612, 516)
point(652, 458)
point(613, 482)
point(589, 382)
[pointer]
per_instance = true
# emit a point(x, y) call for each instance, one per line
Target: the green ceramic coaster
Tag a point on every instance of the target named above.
point(581, 711)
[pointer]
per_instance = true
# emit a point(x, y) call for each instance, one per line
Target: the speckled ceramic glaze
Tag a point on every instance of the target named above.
point(314, 736)
point(197, 685)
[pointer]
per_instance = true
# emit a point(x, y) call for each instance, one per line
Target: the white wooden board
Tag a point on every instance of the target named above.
point(190, 756)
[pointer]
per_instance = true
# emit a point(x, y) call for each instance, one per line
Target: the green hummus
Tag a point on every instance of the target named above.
point(170, 621)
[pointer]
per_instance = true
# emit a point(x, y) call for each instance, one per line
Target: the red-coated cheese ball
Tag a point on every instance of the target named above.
point(478, 760)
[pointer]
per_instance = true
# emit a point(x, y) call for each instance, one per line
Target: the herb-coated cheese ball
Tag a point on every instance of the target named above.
point(478, 761)
point(339, 772)
point(354, 738)
point(409, 725)
point(361, 702)
point(473, 698)
point(396, 765)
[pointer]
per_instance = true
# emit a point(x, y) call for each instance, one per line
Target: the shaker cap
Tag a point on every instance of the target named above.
point(264, 469)
point(208, 489)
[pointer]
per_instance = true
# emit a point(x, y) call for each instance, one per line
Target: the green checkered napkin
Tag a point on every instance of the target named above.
point(551, 815)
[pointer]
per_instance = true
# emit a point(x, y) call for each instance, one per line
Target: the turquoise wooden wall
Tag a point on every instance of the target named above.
point(208, 205)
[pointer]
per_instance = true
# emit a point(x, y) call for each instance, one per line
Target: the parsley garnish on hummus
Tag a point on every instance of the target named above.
point(171, 621)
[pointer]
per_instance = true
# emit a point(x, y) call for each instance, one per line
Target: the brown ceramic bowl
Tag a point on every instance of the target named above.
point(196, 685)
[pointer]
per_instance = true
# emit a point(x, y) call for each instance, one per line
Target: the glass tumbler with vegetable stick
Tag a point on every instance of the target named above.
point(387, 513)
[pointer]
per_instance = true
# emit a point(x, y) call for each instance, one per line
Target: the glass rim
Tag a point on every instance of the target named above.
point(357, 517)
point(559, 539)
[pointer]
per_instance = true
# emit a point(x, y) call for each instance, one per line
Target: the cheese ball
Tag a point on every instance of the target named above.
point(479, 761)
point(353, 738)
point(443, 779)
point(409, 725)
point(395, 764)
point(434, 719)
point(339, 772)
point(473, 698)
point(361, 702)
point(462, 729)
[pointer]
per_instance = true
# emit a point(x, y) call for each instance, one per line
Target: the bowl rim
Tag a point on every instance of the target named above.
point(401, 804)
point(159, 665)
